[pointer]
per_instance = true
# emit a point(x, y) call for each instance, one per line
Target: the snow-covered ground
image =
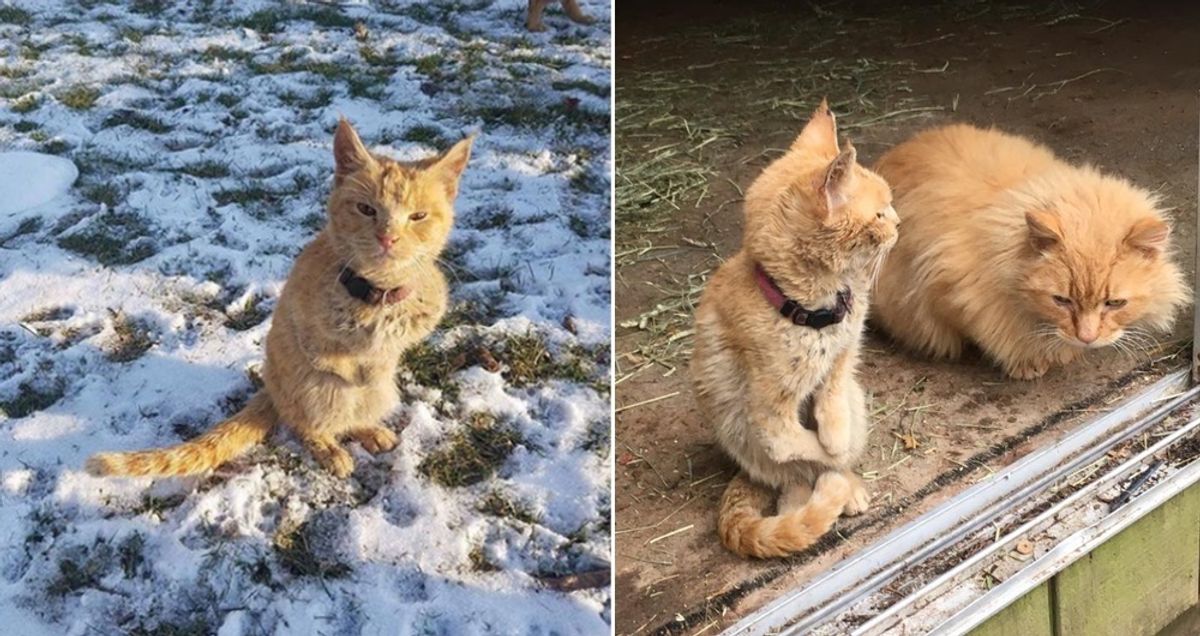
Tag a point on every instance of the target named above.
point(133, 305)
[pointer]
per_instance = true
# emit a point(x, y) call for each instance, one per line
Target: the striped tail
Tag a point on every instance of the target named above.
point(225, 441)
point(745, 530)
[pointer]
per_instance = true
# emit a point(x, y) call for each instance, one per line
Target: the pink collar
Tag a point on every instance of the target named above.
point(790, 309)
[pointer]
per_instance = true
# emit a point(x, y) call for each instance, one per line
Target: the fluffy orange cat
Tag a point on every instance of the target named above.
point(364, 290)
point(777, 343)
point(1033, 260)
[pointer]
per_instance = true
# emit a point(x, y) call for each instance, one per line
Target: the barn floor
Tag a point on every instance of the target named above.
point(705, 96)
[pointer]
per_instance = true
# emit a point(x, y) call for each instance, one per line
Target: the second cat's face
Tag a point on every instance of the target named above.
point(1093, 278)
point(387, 212)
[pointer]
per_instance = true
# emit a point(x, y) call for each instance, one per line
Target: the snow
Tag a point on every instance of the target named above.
point(162, 164)
point(31, 179)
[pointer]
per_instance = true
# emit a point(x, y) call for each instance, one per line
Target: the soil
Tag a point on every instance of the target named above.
point(747, 74)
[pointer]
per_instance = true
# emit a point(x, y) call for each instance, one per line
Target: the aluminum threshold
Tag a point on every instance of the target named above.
point(855, 578)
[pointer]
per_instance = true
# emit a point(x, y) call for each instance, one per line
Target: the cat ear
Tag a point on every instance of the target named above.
point(349, 153)
point(820, 133)
point(1044, 229)
point(450, 165)
point(1148, 236)
point(835, 185)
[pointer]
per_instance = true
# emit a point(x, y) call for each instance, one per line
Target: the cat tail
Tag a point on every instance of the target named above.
point(745, 530)
point(222, 443)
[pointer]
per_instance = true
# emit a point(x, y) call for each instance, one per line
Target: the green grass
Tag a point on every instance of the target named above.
point(581, 85)
point(132, 339)
point(112, 238)
point(206, 169)
point(31, 398)
point(15, 15)
point(135, 119)
point(498, 504)
point(427, 135)
point(296, 547)
point(530, 362)
point(251, 314)
point(472, 453)
point(107, 193)
point(79, 97)
point(25, 126)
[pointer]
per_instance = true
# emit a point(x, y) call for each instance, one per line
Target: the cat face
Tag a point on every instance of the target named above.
point(389, 212)
point(816, 204)
point(1099, 264)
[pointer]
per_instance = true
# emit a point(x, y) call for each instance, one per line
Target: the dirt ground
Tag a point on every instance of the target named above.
point(707, 94)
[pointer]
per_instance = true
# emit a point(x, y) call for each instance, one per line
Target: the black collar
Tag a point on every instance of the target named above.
point(793, 311)
point(363, 290)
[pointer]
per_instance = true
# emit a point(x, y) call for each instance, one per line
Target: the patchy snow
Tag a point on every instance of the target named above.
point(135, 295)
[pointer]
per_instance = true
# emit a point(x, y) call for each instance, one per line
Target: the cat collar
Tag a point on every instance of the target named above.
point(793, 311)
point(363, 290)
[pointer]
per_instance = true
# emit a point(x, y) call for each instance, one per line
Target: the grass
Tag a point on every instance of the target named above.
point(498, 504)
point(14, 15)
point(107, 193)
point(132, 338)
point(112, 238)
point(32, 397)
point(472, 453)
point(249, 315)
point(206, 169)
point(137, 120)
point(79, 97)
point(530, 362)
point(297, 548)
point(431, 136)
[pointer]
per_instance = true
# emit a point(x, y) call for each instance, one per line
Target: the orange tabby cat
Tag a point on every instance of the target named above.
point(1009, 248)
point(777, 341)
point(364, 290)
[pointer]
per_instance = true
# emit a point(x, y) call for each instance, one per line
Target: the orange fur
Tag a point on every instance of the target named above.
point(331, 358)
point(533, 17)
point(817, 222)
point(995, 227)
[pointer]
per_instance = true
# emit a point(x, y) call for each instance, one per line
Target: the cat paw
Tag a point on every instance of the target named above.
point(375, 440)
point(832, 486)
point(584, 19)
point(536, 28)
point(332, 457)
point(860, 497)
point(1028, 369)
point(833, 428)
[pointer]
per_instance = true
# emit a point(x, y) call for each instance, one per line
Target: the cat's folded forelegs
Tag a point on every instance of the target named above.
point(777, 428)
point(833, 409)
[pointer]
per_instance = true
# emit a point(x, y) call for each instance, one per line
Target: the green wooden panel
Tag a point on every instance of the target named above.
point(1028, 616)
point(1140, 580)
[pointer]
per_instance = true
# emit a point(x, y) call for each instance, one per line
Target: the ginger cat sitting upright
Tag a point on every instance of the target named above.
point(1007, 247)
point(359, 294)
point(777, 342)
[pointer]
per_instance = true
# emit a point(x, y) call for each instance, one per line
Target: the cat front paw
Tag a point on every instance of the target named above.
point(833, 426)
point(332, 457)
point(1028, 369)
point(375, 440)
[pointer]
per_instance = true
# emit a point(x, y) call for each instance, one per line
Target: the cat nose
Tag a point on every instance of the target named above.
point(385, 241)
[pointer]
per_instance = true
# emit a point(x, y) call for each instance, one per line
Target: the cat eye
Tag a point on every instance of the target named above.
point(1062, 301)
point(1115, 303)
point(366, 210)
point(417, 216)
